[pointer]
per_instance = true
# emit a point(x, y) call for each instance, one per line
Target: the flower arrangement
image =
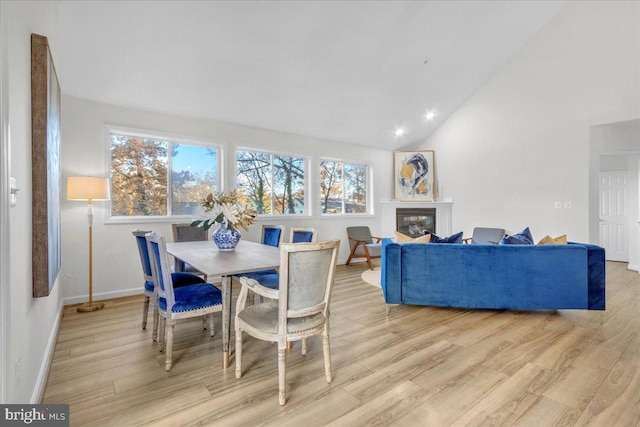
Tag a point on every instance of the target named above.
point(226, 208)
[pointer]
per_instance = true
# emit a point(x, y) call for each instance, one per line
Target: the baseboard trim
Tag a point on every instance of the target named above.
point(104, 295)
point(41, 380)
point(633, 267)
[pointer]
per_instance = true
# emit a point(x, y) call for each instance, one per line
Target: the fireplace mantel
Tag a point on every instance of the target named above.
point(443, 215)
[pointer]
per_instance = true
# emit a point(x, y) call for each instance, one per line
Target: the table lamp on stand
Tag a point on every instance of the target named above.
point(88, 188)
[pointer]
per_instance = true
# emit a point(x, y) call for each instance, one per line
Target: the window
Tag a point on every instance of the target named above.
point(273, 183)
point(160, 177)
point(343, 187)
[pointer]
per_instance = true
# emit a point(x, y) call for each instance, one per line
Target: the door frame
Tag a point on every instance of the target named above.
point(5, 192)
point(626, 212)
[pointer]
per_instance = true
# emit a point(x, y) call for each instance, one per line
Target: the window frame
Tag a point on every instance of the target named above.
point(308, 201)
point(369, 211)
point(171, 138)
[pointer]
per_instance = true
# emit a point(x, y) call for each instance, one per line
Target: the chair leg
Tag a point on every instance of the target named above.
point(366, 254)
point(327, 353)
point(156, 314)
point(169, 350)
point(282, 397)
point(353, 251)
point(212, 330)
point(161, 331)
point(304, 346)
point(145, 311)
point(238, 353)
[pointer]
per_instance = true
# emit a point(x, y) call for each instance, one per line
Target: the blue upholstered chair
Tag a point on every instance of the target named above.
point(195, 300)
point(302, 310)
point(302, 235)
point(362, 245)
point(179, 279)
point(187, 233)
point(272, 235)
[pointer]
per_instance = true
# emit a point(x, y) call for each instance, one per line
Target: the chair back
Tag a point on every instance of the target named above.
point(186, 233)
point(487, 236)
point(272, 235)
point(160, 268)
point(360, 232)
point(307, 273)
point(143, 250)
point(302, 235)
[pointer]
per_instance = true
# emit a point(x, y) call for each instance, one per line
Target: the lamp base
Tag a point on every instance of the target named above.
point(86, 307)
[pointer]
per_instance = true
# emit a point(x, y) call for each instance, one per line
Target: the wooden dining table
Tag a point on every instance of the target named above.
point(205, 257)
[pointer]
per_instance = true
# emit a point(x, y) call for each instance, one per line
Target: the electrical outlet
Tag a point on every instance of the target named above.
point(18, 369)
point(557, 205)
point(567, 205)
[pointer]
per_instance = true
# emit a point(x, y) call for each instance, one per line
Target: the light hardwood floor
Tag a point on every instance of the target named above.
point(421, 366)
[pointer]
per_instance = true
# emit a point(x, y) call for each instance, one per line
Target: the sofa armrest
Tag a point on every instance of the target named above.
point(390, 274)
point(596, 275)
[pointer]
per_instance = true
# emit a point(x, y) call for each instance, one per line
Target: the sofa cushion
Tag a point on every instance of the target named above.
point(522, 238)
point(403, 238)
point(548, 240)
point(454, 238)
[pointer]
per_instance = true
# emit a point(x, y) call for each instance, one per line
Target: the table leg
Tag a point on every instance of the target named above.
point(226, 319)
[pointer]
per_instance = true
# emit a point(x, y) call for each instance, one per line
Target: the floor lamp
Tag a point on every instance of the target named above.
point(88, 188)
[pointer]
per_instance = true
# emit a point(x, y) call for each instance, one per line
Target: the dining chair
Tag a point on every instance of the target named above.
point(187, 233)
point(302, 309)
point(272, 235)
point(362, 245)
point(485, 236)
point(302, 235)
point(178, 280)
point(176, 303)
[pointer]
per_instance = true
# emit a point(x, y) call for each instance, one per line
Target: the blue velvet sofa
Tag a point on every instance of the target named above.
point(524, 277)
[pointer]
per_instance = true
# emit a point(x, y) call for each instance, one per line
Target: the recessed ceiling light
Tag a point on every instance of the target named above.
point(399, 132)
point(430, 115)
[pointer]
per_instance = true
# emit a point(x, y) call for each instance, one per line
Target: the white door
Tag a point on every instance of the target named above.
point(613, 215)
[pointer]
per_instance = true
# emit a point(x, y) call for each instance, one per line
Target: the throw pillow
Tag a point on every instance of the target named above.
point(522, 238)
point(403, 238)
point(548, 240)
point(454, 238)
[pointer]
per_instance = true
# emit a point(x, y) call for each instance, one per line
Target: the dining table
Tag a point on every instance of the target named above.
point(208, 259)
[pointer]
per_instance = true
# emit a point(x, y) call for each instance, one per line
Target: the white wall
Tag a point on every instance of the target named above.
point(522, 141)
point(117, 268)
point(33, 321)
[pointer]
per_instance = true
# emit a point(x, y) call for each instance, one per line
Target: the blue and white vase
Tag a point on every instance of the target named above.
point(226, 238)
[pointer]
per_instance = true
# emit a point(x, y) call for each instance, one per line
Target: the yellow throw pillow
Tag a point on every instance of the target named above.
point(403, 238)
point(548, 240)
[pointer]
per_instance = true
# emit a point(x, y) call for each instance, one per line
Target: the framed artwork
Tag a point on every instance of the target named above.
point(45, 167)
point(414, 175)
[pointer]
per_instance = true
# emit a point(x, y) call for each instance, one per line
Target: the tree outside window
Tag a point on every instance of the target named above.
point(273, 183)
point(343, 187)
point(159, 177)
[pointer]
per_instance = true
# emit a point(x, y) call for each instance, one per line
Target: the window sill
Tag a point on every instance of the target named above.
point(149, 219)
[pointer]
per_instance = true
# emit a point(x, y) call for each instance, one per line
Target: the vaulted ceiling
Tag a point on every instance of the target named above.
point(347, 71)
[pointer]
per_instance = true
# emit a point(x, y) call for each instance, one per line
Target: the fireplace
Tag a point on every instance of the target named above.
point(414, 222)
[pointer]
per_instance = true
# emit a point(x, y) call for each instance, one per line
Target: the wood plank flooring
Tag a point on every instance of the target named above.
point(421, 366)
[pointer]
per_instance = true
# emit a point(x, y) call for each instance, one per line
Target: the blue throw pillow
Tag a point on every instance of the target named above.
point(454, 238)
point(522, 238)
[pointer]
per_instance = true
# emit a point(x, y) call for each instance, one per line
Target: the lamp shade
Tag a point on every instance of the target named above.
point(87, 188)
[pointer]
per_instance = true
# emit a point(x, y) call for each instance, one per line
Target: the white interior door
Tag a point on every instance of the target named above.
point(613, 215)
